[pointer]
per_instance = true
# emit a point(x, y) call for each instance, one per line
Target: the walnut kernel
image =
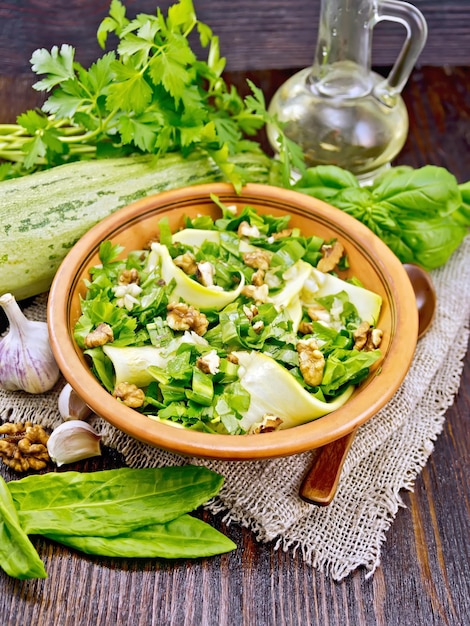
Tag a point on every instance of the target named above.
point(24, 446)
point(182, 316)
point(102, 334)
point(129, 394)
point(311, 361)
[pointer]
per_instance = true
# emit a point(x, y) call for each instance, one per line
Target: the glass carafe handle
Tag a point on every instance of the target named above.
point(413, 20)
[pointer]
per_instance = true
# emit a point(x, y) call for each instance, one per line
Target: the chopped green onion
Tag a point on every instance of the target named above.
point(202, 390)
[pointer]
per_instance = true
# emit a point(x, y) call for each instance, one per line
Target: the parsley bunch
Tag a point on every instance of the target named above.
point(151, 94)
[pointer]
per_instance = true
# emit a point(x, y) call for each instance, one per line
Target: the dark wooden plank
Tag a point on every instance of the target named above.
point(253, 35)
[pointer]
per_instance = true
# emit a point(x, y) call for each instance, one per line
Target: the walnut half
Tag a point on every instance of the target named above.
point(24, 446)
point(129, 394)
point(268, 424)
point(311, 361)
point(182, 316)
point(332, 254)
point(366, 337)
point(102, 334)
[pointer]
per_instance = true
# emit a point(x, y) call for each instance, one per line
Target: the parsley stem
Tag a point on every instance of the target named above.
point(78, 139)
point(16, 153)
point(12, 143)
point(9, 139)
point(17, 156)
point(11, 129)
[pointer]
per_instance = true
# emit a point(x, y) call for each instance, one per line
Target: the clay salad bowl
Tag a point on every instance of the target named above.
point(370, 261)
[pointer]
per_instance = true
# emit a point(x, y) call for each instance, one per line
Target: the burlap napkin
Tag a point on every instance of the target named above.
point(387, 454)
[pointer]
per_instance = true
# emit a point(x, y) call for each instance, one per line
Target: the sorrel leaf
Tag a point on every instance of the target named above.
point(183, 537)
point(110, 502)
point(18, 556)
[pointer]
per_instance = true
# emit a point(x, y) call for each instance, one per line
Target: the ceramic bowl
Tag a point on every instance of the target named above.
point(370, 260)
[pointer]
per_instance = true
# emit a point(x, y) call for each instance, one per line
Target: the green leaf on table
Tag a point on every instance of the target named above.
point(215, 62)
point(113, 501)
point(462, 214)
point(227, 131)
point(421, 214)
point(432, 240)
point(137, 47)
point(18, 556)
point(152, 94)
point(359, 203)
point(182, 538)
point(420, 193)
point(63, 104)
point(291, 155)
point(325, 181)
point(35, 150)
point(99, 76)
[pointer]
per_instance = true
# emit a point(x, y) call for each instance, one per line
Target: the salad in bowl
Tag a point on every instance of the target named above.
point(234, 326)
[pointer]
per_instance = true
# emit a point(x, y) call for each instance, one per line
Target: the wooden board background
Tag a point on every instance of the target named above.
point(254, 34)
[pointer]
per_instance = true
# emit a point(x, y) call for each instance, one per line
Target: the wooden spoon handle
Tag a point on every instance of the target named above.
point(320, 483)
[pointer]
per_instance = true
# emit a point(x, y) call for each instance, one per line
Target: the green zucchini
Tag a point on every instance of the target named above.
point(43, 215)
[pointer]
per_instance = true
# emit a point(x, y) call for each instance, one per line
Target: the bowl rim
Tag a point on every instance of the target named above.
point(302, 438)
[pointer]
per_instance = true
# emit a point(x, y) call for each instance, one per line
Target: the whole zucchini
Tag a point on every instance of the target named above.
point(42, 215)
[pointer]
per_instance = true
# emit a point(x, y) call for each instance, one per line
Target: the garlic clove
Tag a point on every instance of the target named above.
point(71, 406)
point(73, 441)
point(26, 359)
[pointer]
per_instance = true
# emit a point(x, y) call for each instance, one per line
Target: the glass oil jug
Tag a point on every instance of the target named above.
point(338, 110)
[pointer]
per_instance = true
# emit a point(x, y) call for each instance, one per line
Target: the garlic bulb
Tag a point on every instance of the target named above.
point(26, 359)
point(71, 406)
point(72, 441)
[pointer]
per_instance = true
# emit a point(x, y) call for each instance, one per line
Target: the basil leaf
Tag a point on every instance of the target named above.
point(18, 556)
point(421, 214)
point(393, 171)
point(421, 193)
point(324, 181)
point(360, 204)
point(433, 241)
point(113, 501)
point(462, 215)
point(184, 537)
point(395, 242)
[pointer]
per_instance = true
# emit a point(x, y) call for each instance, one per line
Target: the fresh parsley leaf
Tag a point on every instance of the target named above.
point(35, 150)
point(290, 153)
point(130, 91)
point(116, 22)
point(182, 16)
point(168, 67)
point(99, 76)
point(140, 131)
point(150, 94)
point(32, 121)
point(66, 102)
point(57, 64)
point(109, 252)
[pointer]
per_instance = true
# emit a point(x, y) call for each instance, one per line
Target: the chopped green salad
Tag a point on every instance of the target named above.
point(237, 325)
